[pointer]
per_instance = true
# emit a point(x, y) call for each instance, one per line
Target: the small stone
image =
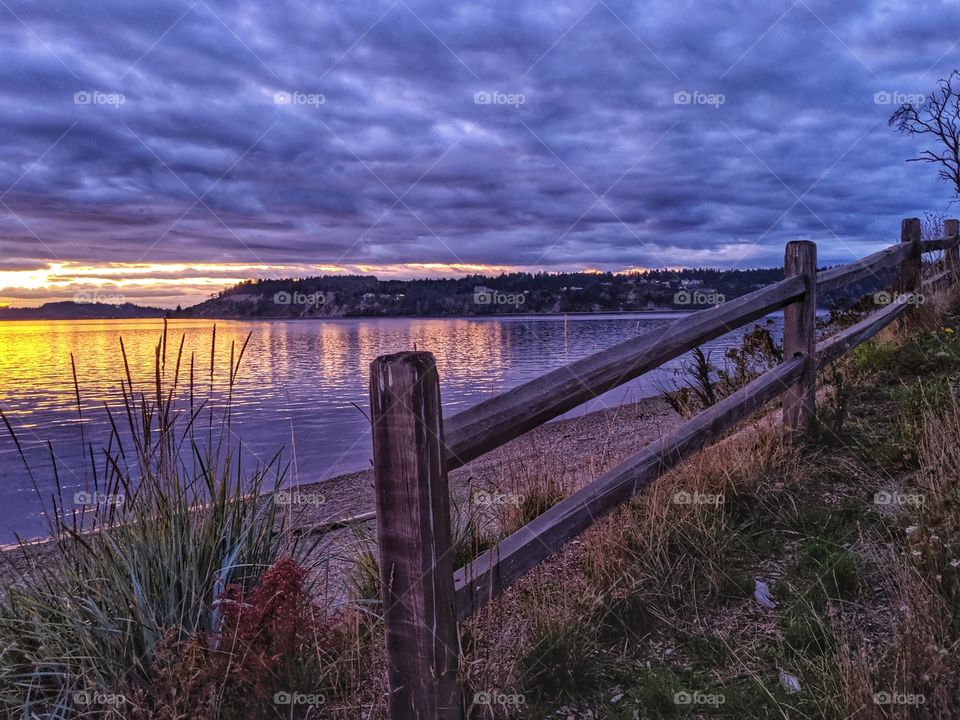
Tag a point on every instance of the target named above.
point(791, 683)
point(761, 593)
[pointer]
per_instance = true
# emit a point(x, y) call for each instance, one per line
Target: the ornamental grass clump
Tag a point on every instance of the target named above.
point(175, 523)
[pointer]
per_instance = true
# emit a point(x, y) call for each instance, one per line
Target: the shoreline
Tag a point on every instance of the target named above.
point(556, 447)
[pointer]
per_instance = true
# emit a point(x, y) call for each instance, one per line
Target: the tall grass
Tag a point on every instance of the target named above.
point(173, 518)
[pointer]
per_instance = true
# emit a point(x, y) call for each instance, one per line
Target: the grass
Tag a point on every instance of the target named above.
point(865, 592)
point(650, 614)
point(175, 522)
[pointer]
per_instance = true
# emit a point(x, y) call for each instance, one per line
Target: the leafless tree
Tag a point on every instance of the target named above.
point(939, 117)
point(931, 224)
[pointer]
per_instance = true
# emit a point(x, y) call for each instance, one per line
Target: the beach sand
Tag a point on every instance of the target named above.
point(570, 452)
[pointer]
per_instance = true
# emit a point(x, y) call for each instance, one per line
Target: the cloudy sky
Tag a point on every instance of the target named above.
point(159, 152)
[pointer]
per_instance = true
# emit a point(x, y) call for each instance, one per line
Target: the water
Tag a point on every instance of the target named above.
point(302, 387)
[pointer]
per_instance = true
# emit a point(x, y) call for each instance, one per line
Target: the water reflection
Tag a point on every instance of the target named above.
point(300, 385)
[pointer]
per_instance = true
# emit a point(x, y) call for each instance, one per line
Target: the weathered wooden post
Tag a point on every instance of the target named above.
point(413, 533)
point(951, 229)
point(800, 338)
point(909, 279)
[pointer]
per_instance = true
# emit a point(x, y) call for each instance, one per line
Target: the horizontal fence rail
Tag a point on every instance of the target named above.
point(869, 266)
point(414, 448)
point(496, 569)
point(493, 422)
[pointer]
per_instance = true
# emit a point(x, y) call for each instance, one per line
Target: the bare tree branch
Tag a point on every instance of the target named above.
point(938, 116)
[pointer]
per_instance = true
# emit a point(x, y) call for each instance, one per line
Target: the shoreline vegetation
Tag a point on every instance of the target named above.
point(360, 296)
point(756, 579)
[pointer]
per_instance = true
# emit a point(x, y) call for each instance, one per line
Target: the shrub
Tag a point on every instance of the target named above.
point(706, 383)
point(271, 638)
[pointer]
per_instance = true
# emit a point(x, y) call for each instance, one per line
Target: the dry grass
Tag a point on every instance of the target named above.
point(658, 597)
point(666, 550)
point(863, 609)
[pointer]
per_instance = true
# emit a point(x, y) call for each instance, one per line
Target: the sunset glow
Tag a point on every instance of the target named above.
point(171, 284)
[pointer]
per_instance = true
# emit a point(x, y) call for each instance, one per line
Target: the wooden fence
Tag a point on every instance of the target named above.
point(414, 448)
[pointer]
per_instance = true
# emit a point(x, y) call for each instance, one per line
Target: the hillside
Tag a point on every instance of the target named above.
point(68, 310)
point(515, 293)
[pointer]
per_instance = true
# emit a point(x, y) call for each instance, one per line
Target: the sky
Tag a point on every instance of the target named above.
point(156, 153)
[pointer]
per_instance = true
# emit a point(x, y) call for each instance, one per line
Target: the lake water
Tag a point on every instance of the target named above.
point(301, 387)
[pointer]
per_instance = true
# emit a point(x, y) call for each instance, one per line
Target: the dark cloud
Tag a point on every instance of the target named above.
point(507, 133)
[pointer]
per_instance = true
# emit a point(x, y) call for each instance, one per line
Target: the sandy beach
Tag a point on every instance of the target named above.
point(570, 452)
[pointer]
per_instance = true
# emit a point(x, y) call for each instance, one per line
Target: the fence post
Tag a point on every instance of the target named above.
point(800, 338)
point(413, 534)
point(951, 229)
point(909, 279)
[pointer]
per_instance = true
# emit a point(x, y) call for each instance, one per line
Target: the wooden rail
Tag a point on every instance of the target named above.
point(496, 569)
point(414, 449)
point(486, 426)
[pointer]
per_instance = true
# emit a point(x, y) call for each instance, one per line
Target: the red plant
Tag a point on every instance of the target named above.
point(269, 632)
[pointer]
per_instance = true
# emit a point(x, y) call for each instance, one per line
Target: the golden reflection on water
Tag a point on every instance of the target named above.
point(299, 387)
point(35, 371)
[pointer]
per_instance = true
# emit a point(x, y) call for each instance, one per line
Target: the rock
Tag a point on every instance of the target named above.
point(791, 683)
point(761, 593)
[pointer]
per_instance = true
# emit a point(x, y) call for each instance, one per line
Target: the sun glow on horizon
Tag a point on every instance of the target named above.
point(171, 284)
